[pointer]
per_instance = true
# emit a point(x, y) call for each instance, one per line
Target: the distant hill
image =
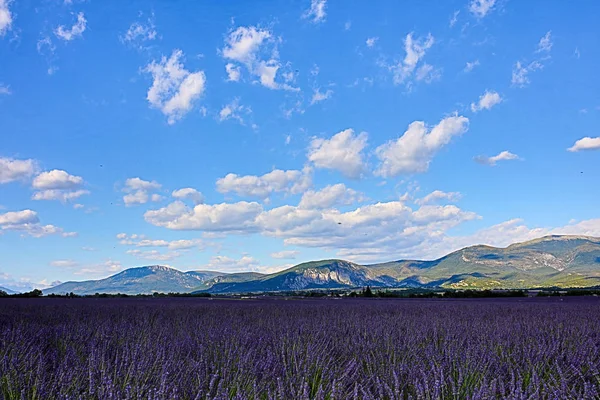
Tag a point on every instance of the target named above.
point(6, 290)
point(142, 280)
point(551, 261)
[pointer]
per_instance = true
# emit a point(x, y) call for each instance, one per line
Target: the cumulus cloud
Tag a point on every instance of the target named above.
point(319, 96)
point(255, 48)
point(586, 143)
point(414, 150)
point(5, 90)
point(174, 89)
point(502, 156)
point(60, 195)
point(188, 194)
point(374, 232)
point(415, 49)
point(438, 195)
point(343, 152)
point(481, 8)
point(56, 179)
point(233, 72)
point(486, 101)
point(224, 217)
point(138, 190)
point(234, 110)
point(381, 225)
point(141, 241)
point(330, 196)
point(290, 181)
point(28, 222)
point(16, 170)
point(74, 31)
point(58, 185)
point(316, 13)
point(5, 17)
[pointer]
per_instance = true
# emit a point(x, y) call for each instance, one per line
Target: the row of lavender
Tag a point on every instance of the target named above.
point(299, 349)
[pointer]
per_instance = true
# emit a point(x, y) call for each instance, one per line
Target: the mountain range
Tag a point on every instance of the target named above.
point(550, 261)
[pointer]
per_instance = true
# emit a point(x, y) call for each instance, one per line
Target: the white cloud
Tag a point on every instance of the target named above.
point(438, 195)
point(5, 90)
point(285, 254)
point(101, 269)
point(154, 255)
point(174, 89)
point(454, 19)
point(19, 218)
point(486, 101)
point(428, 73)
point(188, 194)
point(141, 241)
point(139, 197)
point(319, 96)
point(64, 264)
point(224, 217)
point(5, 17)
point(243, 44)
point(16, 170)
point(545, 44)
point(586, 143)
point(500, 235)
point(139, 33)
point(249, 46)
point(414, 150)
point(74, 32)
point(56, 179)
point(371, 41)
point(290, 181)
point(471, 65)
point(404, 70)
point(234, 110)
point(347, 25)
point(140, 184)
point(316, 13)
point(343, 152)
point(233, 72)
point(27, 221)
point(228, 264)
point(58, 185)
point(329, 196)
point(138, 191)
point(520, 73)
point(502, 156)
point(60, 195)
point(480, 8)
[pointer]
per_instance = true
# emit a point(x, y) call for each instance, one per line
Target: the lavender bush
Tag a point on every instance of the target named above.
point(299, 349)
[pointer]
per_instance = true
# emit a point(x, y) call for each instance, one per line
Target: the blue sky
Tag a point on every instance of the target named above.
point(257, 135)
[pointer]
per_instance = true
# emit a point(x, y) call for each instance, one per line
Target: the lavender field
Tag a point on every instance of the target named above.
point(299, 349)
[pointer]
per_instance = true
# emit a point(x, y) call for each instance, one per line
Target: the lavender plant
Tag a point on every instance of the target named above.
point(299, 349)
